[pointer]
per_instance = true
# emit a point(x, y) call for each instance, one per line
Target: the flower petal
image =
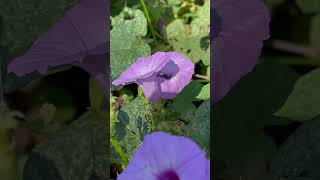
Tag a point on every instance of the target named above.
point(161, 151)
point(172, 87)
point(144, 71)
point(151, 89)
point(239, 28)
point(142, 68)
point(97, 67)
point(79, 33)
point(188, 172)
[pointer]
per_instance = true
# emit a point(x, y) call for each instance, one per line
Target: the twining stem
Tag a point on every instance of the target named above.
point(145, 10)
point(201, 76)
point(119, 150)
point(293, 48)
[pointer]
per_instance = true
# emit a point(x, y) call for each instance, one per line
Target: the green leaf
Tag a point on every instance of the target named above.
point(315, 32)
point(78, 151)
point(24, 21)
point(208, 72)
point(38, 167)
point(298, 157)
point(8, 166)
point(114, 156)
point(116, 6)
point(173, 2)
point(183, 102)
point(96, 95)
point(47, 112)
point(158, 9)
point(131, 125)
point(113, 114)
point(199, 129)
point(126, 44)
point(309, 6)
point(192, 40)
point(239, 118)
point(118, 149)
point(304, 102)
point(165, 119)
point(204, 93)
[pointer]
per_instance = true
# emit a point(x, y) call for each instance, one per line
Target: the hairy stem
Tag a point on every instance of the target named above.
point(145, 10)
point(201, 76)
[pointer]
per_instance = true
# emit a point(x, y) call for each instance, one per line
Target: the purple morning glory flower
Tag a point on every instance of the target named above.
point(239, 28)
point(161, 75)
point(162, 156)
point(78, 38)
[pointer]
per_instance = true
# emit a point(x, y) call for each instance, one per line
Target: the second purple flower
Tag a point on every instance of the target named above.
point(162, 75)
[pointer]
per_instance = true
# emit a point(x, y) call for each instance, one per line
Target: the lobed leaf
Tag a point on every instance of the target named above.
point(199, 129)
point(192, 40)
point(131, 125)
point(183, 102)
point(126, 44)
point(204, 93)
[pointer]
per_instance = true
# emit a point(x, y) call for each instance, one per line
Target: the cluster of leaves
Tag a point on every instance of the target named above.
point(267, 125)
point(140, 28)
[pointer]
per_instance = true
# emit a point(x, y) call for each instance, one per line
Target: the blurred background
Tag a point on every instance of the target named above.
point(295, 33)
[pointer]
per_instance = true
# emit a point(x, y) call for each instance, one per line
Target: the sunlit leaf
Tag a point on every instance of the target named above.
point(126, 44)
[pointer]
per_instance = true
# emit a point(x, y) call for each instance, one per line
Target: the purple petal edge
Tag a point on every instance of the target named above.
point(79, 33)
point(239, 27)
point(145, 72)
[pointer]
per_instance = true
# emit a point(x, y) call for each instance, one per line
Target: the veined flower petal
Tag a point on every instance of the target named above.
point(162, 154)
point(150, 88)
point(175, 85)
point(142, 68)
point(239, 28)
point(161, 75)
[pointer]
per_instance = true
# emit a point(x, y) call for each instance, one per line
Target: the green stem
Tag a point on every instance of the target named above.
point(201, 76)
point(202, 80)
point(119, 150)
point(293, 48)
point(145, 10)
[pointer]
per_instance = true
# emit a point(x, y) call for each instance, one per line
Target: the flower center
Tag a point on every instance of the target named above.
point(166, 76)
point(168, 71)
point(168, 175)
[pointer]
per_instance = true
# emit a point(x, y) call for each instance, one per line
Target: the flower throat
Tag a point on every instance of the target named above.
point(166, 76)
